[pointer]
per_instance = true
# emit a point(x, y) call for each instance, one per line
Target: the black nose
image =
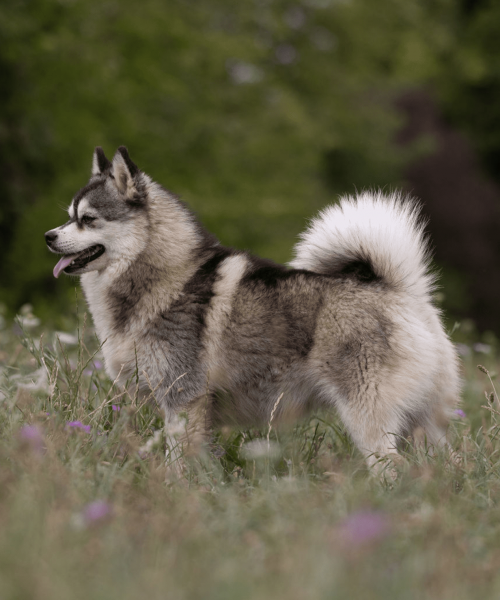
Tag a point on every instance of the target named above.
point(50, 237)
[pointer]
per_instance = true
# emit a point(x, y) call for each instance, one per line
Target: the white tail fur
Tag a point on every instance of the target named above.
point(384, 231)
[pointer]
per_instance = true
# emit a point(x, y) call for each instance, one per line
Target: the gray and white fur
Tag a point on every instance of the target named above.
point(219, 334)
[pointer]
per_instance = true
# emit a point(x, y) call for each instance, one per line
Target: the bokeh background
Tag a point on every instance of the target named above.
point(258, 113)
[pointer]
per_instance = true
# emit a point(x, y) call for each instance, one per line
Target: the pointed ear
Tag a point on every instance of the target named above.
point(124, 171)
point(99, 162)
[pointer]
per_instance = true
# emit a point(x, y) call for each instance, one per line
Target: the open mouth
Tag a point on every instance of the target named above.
point(74, 262)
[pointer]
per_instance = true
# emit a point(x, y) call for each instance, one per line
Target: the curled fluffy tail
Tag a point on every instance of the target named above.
point(371, 236)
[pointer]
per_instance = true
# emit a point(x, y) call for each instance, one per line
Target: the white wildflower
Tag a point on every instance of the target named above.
point(38, 382)
point(482, 348)
point(257, 449)
point(152, 443)
point(67, 338)
point(463, 349)
point(28, 321)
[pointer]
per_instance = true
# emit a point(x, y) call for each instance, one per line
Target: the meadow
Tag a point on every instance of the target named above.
point(85, 511)
point(258, 114)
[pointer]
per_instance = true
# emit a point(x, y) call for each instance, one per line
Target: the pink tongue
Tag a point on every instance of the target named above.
point(62, 264)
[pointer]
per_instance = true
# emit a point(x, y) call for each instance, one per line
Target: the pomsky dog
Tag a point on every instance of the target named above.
point(218, 335)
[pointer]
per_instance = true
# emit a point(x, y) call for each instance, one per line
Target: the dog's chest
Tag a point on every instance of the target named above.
point(118, 347)
point(133, 347)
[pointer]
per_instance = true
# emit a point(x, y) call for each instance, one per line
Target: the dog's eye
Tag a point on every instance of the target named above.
point(87, 219)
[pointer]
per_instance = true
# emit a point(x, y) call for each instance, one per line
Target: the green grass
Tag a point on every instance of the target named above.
point(305, 520)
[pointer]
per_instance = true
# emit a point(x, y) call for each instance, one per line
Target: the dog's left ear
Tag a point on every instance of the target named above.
point(124, 171)
point(99, 162)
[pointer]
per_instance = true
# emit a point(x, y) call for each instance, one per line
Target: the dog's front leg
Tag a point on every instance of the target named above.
point(186, 432)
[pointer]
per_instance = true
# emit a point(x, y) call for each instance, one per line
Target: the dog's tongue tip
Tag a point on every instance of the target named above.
point(61, 265)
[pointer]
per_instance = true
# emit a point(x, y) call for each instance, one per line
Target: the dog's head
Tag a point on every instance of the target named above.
point(107, 218)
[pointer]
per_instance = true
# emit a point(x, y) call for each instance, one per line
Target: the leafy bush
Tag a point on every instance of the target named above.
point(257, 113)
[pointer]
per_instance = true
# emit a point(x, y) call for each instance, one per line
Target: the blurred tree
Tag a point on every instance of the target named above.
point(470, 92)
point(257, 112)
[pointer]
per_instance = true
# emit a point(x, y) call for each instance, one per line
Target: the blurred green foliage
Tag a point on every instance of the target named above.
point(257, 112)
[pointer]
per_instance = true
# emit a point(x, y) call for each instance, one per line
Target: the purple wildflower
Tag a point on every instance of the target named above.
point(459, 413)
point(96, 511)
point(32, 436)
point(363, 528)
point(78, 425)
point(116, 408)
point(97, 364)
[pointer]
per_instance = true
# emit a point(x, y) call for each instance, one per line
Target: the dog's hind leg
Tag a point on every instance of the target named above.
point(431, 434)
point(371, 418)
point(185, 433)
point(375, 432)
